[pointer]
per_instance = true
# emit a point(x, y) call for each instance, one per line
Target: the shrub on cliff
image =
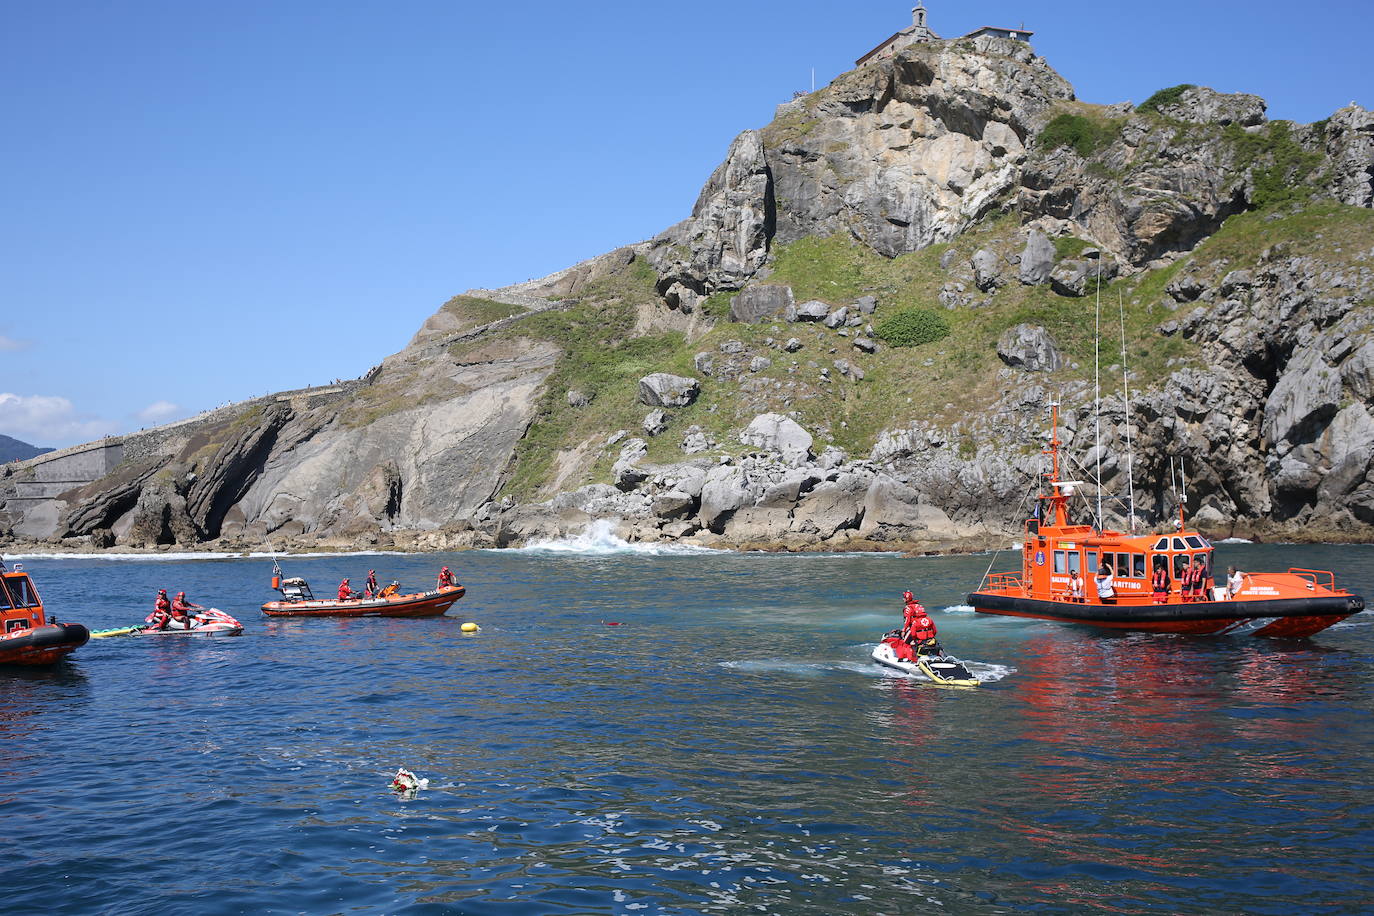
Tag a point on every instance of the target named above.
point(1084, 135)
point(1165, 97)
point(913, 327)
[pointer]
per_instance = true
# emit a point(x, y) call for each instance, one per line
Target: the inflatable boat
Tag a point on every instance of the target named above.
point(30, 636)
point(298, 601)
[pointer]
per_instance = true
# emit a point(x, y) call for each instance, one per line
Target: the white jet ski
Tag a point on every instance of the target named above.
point(208, 622)
point(942, 670)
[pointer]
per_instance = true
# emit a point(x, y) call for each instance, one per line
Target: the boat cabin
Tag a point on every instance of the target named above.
point(20, 606)
point(1051, 554)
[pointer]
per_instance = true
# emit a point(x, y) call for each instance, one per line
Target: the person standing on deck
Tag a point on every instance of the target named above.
point(1106, 591)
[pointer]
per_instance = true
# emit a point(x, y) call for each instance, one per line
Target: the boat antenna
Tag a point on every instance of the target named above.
point(1182, 503)
point(1097, 393)
point(1126, 389)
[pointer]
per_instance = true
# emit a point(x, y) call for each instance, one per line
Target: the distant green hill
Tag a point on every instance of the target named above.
point(14, 450)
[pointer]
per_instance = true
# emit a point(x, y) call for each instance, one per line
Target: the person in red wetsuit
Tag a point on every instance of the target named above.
point(345, 591)
point(919, 630)
point(181, 611)
point(162, 611)
point(446, 579)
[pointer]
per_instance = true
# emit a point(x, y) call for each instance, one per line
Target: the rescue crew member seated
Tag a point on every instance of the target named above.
point(919, 631)
point(446, 579)
point(346, 592)
point(181, 611)
point(162, 611)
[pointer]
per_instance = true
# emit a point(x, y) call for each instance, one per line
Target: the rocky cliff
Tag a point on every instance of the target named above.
point(852, 341)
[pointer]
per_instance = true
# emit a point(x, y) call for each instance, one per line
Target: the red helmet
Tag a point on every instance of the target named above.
point(908, 596)
point(344, 582)
point(445, 569)
point(162, 591)
point(181, 594)
point(372, 572)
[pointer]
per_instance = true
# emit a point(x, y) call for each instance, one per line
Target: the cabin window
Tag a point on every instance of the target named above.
point(22, 589)
point(1179, 545)
point(1180, 564)
point(1194, 542)
point(1092, 564)
point(1137, 565)
point(1162, 544)
point(1060, 563)
point(1075, 562)
point(4, 597)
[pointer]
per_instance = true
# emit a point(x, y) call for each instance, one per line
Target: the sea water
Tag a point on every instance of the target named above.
point(671, 731)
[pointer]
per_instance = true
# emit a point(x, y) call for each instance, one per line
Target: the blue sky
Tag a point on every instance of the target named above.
point(209, 201)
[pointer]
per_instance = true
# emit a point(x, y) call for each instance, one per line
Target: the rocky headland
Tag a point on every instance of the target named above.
point(850, 343)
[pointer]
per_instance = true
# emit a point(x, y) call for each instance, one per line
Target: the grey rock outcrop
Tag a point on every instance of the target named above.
point(755, 304)
point(1037, 259)
point(1031, 348)
point(664, 390)
point(779, 435)
point(1200, 105)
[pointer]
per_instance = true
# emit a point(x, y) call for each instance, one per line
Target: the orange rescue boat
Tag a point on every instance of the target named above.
point(30, 637)
point(1150, 585)
point(298, 601)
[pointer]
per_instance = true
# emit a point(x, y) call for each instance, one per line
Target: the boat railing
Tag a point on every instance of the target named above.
point(1316, 578)
point(1005, 582)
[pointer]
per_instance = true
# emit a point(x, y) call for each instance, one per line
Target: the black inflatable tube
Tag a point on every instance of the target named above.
point(49, 636)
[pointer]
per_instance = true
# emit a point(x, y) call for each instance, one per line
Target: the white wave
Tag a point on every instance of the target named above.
point(1234, 541)
point(600, 539)
point(959, 609)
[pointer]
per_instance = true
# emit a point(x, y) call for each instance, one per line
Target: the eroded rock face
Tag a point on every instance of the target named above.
point(760, 303)
point(1350, 145)
point(727, 238)
point(779, 435)
point(1200, 105)
point(1031, 348)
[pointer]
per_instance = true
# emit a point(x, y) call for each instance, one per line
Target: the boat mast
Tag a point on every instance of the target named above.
point(1057, 499)
point(1097, 394)
point(1126, 389)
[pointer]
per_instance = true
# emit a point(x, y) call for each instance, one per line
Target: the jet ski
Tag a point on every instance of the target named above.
point(209, 622)
point(943, 670)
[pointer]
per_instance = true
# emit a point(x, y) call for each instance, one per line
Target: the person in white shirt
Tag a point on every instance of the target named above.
point(1106, 593)
point(1235, 581)
point(1075, 587)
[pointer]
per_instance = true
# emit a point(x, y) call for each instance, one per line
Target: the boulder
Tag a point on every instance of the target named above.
point(757, 304)
point(1031, 348)
point(866, 345)
point(780, 435)
point(664, 390)
point(1079, 278)
point(866, 305)
point(814, 310)
point(987, 269)
point(1037, 259)
point(1185, 289)
point(704, 363)
point(578, 398)
point(792, 345)
point(695, 441)
point(673, 504)
point(724, 491)
point(656, 422)
point(759, 363)
point(837, 317)
point(894, 511)
point(626, 471)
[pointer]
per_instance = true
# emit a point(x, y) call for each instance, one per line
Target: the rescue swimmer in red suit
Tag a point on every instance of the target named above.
point(181, 611)
point(918, 629)
point(446, 579)
point(162, 611)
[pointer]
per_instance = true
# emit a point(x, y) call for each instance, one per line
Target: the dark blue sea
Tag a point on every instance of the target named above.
point(728, 748)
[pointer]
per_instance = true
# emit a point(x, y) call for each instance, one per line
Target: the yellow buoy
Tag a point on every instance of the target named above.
point(470, 627)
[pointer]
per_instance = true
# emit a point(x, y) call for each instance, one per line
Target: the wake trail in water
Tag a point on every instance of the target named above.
point(600, 539)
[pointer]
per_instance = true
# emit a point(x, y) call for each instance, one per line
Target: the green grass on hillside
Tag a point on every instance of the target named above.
point(942, 382)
